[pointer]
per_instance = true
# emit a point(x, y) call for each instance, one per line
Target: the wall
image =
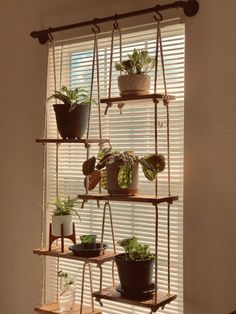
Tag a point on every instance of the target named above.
point(210, 167)
point(209, 257)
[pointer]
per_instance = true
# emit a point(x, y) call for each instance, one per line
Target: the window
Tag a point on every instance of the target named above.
point(131, 130)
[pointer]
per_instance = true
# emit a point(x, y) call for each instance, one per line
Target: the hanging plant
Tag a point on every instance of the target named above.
point(135, 80)
point(135, 268)
point(121, 170)
point(72, 113)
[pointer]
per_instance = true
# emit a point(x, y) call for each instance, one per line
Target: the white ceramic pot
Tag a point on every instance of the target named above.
point(134, 84)
point(57, 221)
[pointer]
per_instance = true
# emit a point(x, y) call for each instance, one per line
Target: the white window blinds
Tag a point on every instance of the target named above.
point(133, 130)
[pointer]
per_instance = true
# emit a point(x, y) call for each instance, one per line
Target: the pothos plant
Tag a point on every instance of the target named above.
point(72, 97)
point(139, 61)
point(67, 281)
point(66, 207)
point(151, 164)
point(135, 251)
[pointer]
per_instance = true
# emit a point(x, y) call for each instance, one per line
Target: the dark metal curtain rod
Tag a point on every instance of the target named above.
point(190, 8)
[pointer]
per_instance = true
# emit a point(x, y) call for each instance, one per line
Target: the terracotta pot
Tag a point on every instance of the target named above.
point(71, 124)
point(135, 276)
point(57, 221)
point(134, 84)
point(113, 187)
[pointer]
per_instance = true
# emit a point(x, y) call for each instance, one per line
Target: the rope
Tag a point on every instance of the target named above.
point(166, 103)
point(156, 250)
point(115, 29)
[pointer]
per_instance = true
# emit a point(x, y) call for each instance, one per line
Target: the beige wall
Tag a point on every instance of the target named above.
point(210, 215)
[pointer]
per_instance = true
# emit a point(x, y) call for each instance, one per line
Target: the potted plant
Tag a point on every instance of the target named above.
point(135, 269)
point(64, 209)
point(88, 241)
point(135, 80)
point(121, 170)
point(66, 296)
point(72, 113)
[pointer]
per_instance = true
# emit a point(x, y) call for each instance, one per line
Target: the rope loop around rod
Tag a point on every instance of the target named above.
point(95, 30)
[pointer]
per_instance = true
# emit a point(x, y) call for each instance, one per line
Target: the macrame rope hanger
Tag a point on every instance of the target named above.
point(115, 31)
point(57, 144)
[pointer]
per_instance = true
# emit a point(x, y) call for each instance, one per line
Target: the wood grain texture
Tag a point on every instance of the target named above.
point(53, 308)
point(134, 98)
point(61, 140)
point(56, 252)
point(126, 198)
point(111, 294)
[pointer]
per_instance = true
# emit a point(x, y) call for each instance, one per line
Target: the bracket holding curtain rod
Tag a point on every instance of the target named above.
point(190, 8)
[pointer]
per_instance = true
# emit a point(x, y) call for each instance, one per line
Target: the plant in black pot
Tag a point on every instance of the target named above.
point(118, 172)
point(135, 269)
point(72, 113)
point(135, 80)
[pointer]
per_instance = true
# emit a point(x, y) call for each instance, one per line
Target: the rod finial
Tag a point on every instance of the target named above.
point(191, 8)
point(42, 36)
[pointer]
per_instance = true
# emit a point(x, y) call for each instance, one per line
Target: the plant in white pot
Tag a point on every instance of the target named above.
point(72, 113)
point(62, 215)
point(135, 80)
point(120, 175)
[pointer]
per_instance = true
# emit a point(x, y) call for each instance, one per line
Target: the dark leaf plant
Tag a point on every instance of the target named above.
point(72, 97)
point(135, 251)
point(66, 207)
point(138, 62)
point(151, 164)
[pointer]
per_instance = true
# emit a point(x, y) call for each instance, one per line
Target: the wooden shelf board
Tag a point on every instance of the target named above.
point(56, 252)
point(130, 98)
point(111, 294)
point(125, 198)
point(53, 308)
point(61, 140)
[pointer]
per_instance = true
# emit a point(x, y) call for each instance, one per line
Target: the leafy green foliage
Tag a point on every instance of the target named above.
point(152, 164)
point(72, 97)
point(138, 62)
point(135, 251)
point(66, 207)
point(88, 239)
point(67, 281)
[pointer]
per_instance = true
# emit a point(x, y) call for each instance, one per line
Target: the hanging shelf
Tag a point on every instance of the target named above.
point(112, 294)
point(126, 198)
point(53, 308)
point(56, 252)
point(137, 98)
point(61, 140)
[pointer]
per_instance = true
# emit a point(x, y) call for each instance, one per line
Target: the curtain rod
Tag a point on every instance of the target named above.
point(190, 8)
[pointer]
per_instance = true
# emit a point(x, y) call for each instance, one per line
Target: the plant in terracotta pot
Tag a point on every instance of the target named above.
point(72, 113)
point(88, 241)
point(135, 269)
point(66, 295)
point(118, 172)
point(63, 214)
point(135, 80)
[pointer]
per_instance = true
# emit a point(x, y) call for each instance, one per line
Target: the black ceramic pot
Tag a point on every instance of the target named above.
point(71, 124)
point(135, 276)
